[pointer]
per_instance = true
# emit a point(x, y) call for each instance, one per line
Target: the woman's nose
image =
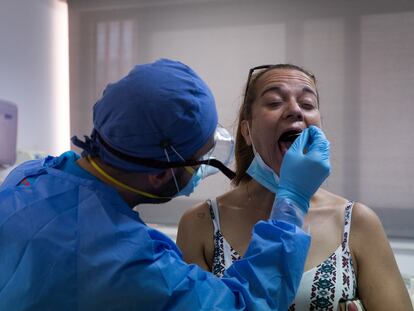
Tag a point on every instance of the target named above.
point(293, 110)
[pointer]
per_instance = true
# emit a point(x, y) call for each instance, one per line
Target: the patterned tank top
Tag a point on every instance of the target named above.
point(321, 288)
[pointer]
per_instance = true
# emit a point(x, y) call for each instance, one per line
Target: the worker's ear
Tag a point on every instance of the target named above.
point(160, 179)
point(245, 131)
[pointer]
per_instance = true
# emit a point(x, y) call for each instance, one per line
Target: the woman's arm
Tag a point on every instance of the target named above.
point(380, 285)
point(195, 233)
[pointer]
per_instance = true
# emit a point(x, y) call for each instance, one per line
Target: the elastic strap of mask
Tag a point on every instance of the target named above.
point(189, 169)
point(172, 170)
point(121, 184)
point(251, 138)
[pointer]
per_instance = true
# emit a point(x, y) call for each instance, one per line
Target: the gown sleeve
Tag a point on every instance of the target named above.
point(266, 278)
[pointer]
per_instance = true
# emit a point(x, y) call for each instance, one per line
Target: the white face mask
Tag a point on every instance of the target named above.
point(261, 172)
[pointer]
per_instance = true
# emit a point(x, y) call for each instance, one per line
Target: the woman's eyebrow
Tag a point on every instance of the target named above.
point(279, 89)
point(274, 88)
point(307, 89)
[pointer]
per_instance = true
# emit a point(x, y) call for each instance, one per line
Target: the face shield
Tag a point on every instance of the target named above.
point(222, 152)
point(215, 160)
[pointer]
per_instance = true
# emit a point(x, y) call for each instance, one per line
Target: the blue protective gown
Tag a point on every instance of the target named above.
point(69, 242)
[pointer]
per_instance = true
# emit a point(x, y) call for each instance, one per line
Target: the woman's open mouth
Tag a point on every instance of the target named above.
point(287, 139)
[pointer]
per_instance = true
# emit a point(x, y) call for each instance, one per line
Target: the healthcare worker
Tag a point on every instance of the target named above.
point(69, 239)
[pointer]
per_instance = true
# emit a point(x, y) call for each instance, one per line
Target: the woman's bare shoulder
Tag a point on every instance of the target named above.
point(195, 235)
point(365, 222)
point(367, 234)
point(197, 216)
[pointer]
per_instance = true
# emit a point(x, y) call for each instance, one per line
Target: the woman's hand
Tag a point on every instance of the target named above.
point(303, 172)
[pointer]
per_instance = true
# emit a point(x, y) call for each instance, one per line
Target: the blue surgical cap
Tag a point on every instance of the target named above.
point(155, 107)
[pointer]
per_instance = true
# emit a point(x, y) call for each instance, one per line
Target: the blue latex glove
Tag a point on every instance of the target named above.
point(301, 174)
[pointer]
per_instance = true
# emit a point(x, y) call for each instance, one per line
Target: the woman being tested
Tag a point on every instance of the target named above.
point(349, 255)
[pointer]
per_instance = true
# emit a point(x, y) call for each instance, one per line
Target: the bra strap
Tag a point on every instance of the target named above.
point(214, 213)
point(347, 225)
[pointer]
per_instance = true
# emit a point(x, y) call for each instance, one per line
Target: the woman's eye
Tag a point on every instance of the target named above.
point(274, 103)
point(307, 106)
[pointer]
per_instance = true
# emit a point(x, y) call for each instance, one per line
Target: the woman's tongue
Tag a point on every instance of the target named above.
point(284, 146)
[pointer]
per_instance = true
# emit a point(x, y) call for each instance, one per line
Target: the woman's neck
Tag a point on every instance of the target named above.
point(256, 196)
